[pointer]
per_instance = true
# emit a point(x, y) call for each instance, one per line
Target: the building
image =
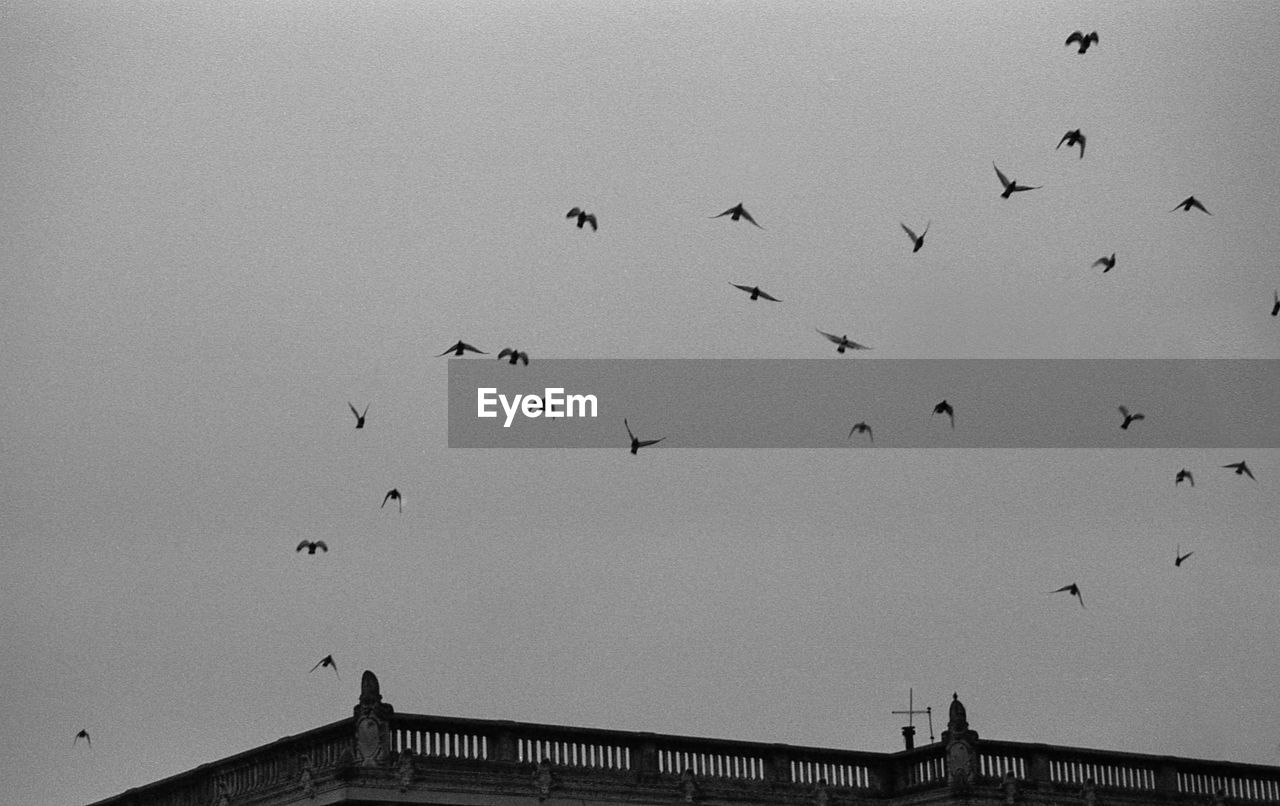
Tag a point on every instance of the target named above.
point(378, 757)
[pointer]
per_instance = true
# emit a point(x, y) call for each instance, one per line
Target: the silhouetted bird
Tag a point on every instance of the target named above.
point(1241, 469)
point(861, 428)
point(83, 734)
point(1010, 186)
point(918, 240)
point(1108, 263)
point(1189, 202)
point(393, 495)
point(637, 444)
point(460, 348)
point(327, 660)
point(1179, 556)
point(1129, 418)
point(736, 212)
point(1085, 41)
point(755, 292)
point(1071, 138)
point(1072, 589)
point(1184, 474)
point(359, 416)
point(311, 546)
point(583, 217)
point(516, 355)
point(945, 408)
point(1275, 309)
point(842, 342)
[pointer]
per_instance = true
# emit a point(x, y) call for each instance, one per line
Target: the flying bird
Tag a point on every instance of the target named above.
point(842, 342)
point(755, 292)
point(1241, 469)
point(516, 355)
point(736, 212)
point(1072, 589)
point(918, 240)
point(83, 734)
point(460, 348)
point(1011, 186)
point(359, 416)
point(583, 217)
point(392, 495)
point(1275, 309)
point(637, 444)
point(1085, 41)
point(1129, 418)
point(1189, 202)
point(1179, 556)
point(1108, 263)
point(861, 428)
point(945, 408)
point(327, 660)
point(1184, 474)
point(1071, 138)
point(311, 546)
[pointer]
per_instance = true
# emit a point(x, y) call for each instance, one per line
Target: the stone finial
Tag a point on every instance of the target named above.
point(957, 723)
point(1010, 786)
point(960, 744)
point(542, 779)
point(688, 786)
point(373, 725)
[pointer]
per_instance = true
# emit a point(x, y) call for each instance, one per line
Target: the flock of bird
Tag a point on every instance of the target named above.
point(739, 212)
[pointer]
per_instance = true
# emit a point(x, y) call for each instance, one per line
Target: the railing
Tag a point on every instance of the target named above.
point(633, 761)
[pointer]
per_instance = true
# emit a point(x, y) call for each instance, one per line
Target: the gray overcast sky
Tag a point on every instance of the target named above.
point(221, 223)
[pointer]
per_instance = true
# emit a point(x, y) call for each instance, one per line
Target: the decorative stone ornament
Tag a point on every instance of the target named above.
point(305, 779)
point(404, 767)
point(373, 725)
point(688, 786)
point(542, 779)
point(961, 747)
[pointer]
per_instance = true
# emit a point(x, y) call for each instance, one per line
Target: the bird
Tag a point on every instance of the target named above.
point(842, 342)
point(736, 212)
point(392, 495)
point(1108, 263)
point(583, 217)
point(755, 292)
point(311, 546)
point(83, 734)
point(460, 348)
point(1085, 41)
point(1071, 138)
point(1184, 474)
point(359, 416)
point(516, 355)
point(327, 660)
point(1241, 469)
point(918, 240)
point(637, 444)
point(1275, 309)
point(1129, 418)
point(1179, 556)
point(1011, 186)
point(861, 428)
point(1189, 202)
point(945, 408)
point(1072, 589)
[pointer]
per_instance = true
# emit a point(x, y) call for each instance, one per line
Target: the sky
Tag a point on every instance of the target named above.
point(221, 224)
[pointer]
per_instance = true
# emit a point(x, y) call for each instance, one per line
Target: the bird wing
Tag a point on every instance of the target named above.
point(910, 233)
point(854, 345)
point(746, 288)
point(1094, 37)
point(1124, 411)
point(628, 425)
point(317, 666)
point(1102, 261)
point(320, 544)
point(1194, 202)
point(506, 351)
point(1064, 139)
point(646, 442)
point(388, 497)
point(1076, 36)
point(768, 297)
point(830, 337)
point(301, 546)
point(591, 219)
point(575, 211)
point(1138, 417)
point(524, 358)
point(1080, 139)
point(1246, 470)
point(466, 346)
point(1004, 180)
point(353, 410)
point(747, 216)
point(730, 211)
